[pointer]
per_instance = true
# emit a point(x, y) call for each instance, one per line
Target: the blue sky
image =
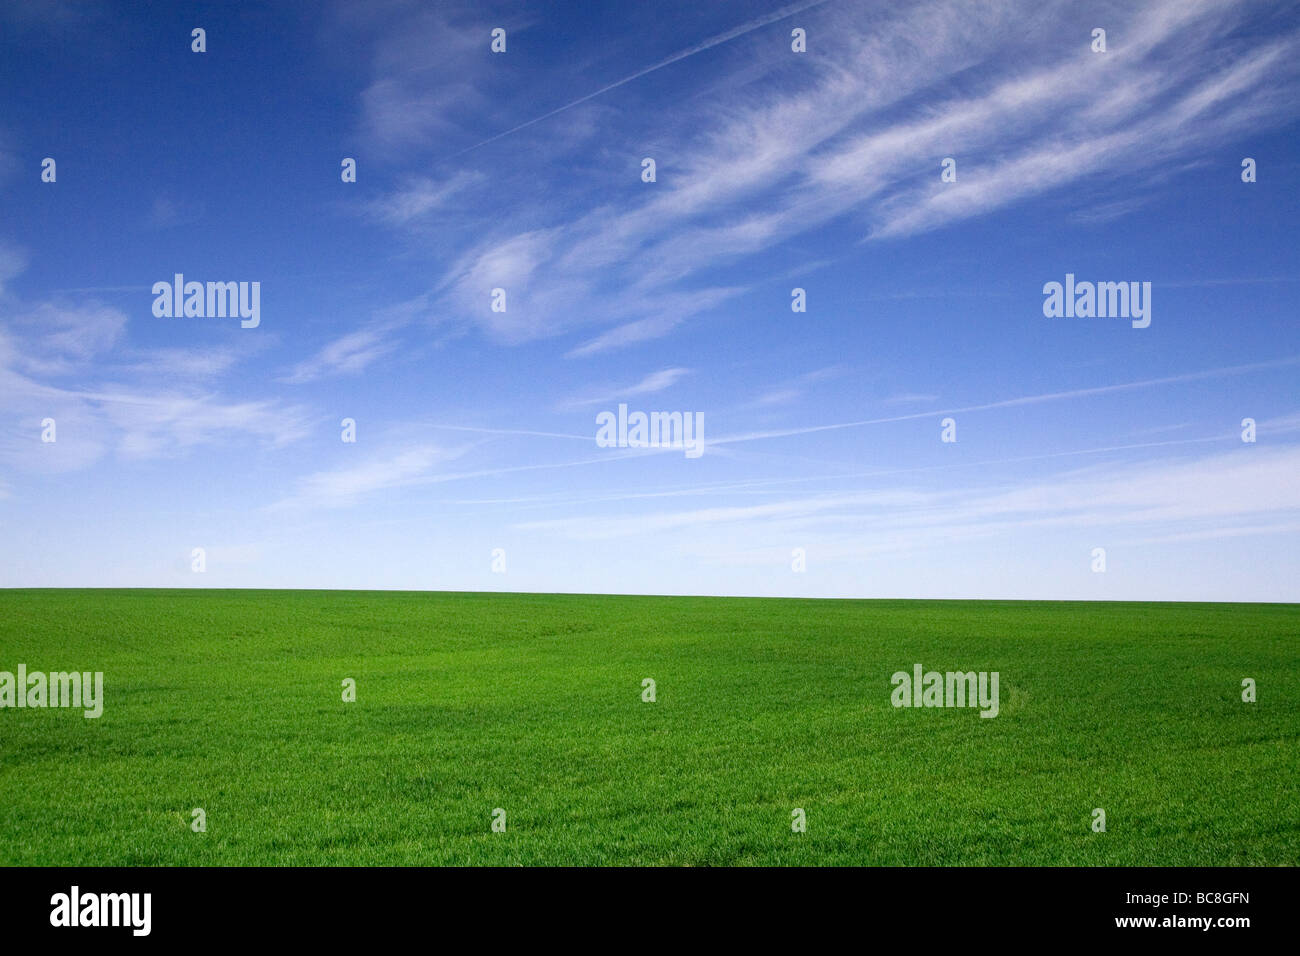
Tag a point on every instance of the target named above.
point(522, 170)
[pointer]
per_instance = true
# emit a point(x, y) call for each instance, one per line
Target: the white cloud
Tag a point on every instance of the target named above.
point(1219, 495)
point(1024, 109)
point(185, 364)
point(347, 355)
point(654, 382)
point(1022, 400)
point(910, 398)
point(424, 85)
point(59, 337)
point(13, 260)
point(419, 196)
point(135, 403)
point(341, 487)
point(169, 210)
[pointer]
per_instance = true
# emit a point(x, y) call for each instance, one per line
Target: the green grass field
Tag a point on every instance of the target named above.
point(231, 701)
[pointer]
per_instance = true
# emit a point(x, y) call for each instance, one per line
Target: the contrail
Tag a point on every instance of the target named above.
point(1012, 402)
point(690, 51)
point(1004, 403)
point(512, 431)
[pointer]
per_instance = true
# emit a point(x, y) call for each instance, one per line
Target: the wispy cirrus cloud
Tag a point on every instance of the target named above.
point(415, 102)
point(341, 487)
point(13, 260)
point(63, 336)
point(792, 390)
point(1024, 400)
point(186, 364)
point(654, 382)
point(857, 132)
point(727, 36)
point(416, 198)
point(349, 354)
point(68, 358)
point(1215, 495)
point(169, 210)
point(910, 398)
point(135, 423)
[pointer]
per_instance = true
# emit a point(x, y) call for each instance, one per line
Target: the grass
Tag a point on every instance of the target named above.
point(231, 701)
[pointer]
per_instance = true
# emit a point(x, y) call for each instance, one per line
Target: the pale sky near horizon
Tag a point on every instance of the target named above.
point(774, 170)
